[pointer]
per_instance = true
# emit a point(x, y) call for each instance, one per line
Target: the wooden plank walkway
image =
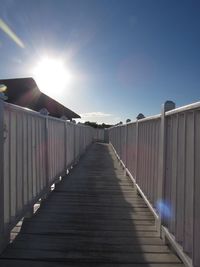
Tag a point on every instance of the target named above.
point(94, 217)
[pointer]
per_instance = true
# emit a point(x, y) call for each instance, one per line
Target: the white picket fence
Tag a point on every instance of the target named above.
point(35, 150)
point(162, 156)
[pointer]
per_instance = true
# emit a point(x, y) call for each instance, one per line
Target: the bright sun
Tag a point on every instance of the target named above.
point(51, 76)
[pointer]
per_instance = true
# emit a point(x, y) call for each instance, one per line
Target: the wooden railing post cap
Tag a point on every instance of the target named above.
point(3, 88)
point(63, 117)
point(3, 96)
point(44, 111)
point(168, 105)
point(140, 116)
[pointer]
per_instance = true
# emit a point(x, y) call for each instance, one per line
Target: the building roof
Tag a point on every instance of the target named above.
point(25, 92)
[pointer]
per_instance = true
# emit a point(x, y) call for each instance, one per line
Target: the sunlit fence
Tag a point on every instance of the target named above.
point(162, 156)
point(35, 150)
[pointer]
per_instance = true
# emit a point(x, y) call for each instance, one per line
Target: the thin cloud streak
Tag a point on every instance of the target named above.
point(97, 114)
point(7, 30)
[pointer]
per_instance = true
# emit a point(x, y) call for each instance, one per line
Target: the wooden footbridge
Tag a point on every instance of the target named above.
point(99, 204)
point(94, 217)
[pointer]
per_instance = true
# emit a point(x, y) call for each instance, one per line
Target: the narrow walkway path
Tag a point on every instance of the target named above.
point(94, 217)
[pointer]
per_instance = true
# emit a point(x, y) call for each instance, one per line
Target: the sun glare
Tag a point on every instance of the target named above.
point(51, 76)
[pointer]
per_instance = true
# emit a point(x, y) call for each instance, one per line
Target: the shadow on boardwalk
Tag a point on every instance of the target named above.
point(94, 217)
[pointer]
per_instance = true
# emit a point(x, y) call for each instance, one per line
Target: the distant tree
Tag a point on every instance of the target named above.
point(92, 124)
point(128, 120)
point(96, 125)
point(119, 123)
point(105, 126)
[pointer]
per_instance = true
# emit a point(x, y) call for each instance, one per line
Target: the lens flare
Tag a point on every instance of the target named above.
point(3, 88)
point(5, 28)
point(164, 209)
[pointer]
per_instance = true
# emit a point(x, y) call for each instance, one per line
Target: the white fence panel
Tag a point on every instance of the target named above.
point(147, 158)
point(131, 148)
point(70, 132)
point(55, 148)
point(35, 151)
point(24, 160)
point(163, 157)
point(182, 175)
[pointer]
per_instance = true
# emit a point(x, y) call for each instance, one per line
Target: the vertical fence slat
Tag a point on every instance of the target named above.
point(180, 179)
point(13, 164)
point(47, 151)
point(161, 163)
point(189, 184)
point(2, 238)
point(196, 241)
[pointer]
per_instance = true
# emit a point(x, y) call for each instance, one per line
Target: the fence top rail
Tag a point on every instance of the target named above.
point(79, 125)
point(16, 108)
point(150, 118)
point(189, 107)
point(121, 125)
point(131, 122)
point(154, 117)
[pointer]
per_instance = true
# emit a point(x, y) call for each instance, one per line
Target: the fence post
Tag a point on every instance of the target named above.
point(168, 105)
point(1, 174)
point(139, 117)
point(48, 189)
point(136, 151)
point(125, 152)
point(4, 238)
point(47, 149)
point(66, 147)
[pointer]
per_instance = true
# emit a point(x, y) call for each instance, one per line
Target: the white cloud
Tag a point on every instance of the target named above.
point(97, 114)
point(99, 117)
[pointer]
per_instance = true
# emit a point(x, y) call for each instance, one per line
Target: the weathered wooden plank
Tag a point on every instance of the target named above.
point(78, 204)
point(34, 263)
point(53, 230)
point(115, 248)
point(83, 215)
point(86, 226)
point(87, 220)
point(92, 257)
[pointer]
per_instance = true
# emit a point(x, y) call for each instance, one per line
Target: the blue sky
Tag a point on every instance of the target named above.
point(126, 57)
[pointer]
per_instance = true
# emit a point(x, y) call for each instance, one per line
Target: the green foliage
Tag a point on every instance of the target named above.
point(96, 125)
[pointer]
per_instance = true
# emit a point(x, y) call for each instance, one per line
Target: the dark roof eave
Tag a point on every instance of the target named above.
point(25, 92)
